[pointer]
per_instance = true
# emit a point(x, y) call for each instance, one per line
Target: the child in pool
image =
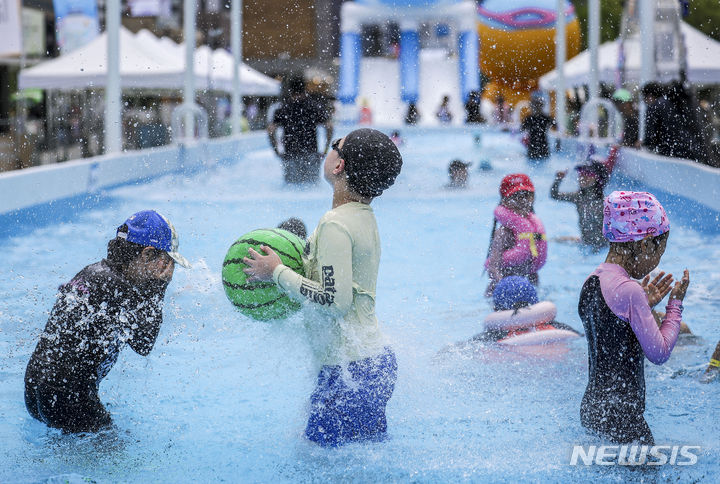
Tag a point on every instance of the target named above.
point(396, 138)
point(518, 294)
point(295, 226)
point(518, 247)
point(588, 200)
point(713, 370)
point(619, 325)
point(458, 173)
point(107, 305)
point(341, 260)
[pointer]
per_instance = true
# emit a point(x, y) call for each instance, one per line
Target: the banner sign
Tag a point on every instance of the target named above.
point(11, 27)
point(76, 23)
point(33, 32)
point(150, 8)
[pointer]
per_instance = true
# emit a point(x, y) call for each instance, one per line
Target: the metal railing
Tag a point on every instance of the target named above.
point(189, 121)
point(597, 128)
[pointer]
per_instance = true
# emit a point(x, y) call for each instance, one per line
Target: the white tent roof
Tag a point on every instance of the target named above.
point(146, 62)
point(86, 67)
point(214, 69)
point(703, 61)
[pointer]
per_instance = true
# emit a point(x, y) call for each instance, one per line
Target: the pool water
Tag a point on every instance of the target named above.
point(224, 399)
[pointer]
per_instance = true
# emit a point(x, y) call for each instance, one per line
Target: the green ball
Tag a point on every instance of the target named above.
point(262, 300)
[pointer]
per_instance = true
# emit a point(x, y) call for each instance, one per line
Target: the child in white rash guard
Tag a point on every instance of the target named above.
point(341, 261)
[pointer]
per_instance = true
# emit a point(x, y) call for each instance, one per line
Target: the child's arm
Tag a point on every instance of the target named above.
point(555, 193)
point(145, 317)
point(714, 364)
point(657, 342)
point(501, 241)
point(684, 328)
point(334, 290)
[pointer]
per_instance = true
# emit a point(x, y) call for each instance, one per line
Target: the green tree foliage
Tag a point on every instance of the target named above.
point(610, 19)
point(704, 15)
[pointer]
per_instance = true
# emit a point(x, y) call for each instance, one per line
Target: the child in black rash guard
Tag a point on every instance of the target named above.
point(592, 178)
point(106, 305)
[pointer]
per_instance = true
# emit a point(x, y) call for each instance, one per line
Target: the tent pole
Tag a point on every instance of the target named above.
point(236, 41)
point(594, 41)
point(113, 128)
point(647, 53)
point(560, 54)
point(189, 81)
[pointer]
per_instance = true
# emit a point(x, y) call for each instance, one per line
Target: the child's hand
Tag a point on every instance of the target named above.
point(560, 174)
point(678, 292)
point(658, 288)
point(261, 267)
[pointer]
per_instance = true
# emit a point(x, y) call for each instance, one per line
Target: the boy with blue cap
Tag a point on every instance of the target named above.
point(106, 305)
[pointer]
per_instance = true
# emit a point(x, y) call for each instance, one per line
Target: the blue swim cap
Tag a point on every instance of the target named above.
point(513, 290)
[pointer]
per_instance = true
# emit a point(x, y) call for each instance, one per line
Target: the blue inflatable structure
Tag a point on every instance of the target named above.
point(409, 14)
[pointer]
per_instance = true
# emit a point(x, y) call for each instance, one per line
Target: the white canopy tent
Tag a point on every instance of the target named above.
point(703, 62)
point(145, 62)
point(214, 69)
point(86, 67)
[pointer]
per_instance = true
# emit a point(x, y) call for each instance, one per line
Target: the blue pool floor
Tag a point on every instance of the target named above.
point(223, 399)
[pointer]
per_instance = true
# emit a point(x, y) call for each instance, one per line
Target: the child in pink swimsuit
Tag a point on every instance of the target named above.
point(616, 311)
point(518, 246)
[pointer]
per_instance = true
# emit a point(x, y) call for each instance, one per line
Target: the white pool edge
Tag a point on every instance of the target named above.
point(21, 189)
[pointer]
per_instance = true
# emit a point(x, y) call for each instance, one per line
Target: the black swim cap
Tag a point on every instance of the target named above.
point(372, 161)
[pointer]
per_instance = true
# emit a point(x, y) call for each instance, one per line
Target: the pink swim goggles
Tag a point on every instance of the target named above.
point(630, 216)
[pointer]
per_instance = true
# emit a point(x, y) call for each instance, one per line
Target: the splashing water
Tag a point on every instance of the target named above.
point(222, 397)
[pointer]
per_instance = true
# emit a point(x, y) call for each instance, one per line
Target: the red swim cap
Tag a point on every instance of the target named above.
point(515, 183)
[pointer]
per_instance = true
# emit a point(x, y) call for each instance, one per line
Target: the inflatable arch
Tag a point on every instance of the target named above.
point(409, 14)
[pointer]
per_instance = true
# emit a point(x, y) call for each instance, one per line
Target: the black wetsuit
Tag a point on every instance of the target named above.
point(537, 126)
point(299, 119)
point(589, 204)
point(95, 314)
point(614, 400)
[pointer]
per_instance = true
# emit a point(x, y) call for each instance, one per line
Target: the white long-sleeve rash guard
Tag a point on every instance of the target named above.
point(341, 262)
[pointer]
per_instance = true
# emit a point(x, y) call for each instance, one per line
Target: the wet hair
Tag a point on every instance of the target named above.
point(121, 252)
point(652, 89)
point(457, 165)
point(601, 175)
point(372, 162)
point(296, 85)
point(295, 226)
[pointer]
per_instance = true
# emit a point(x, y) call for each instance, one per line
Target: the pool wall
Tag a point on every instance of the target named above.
point(37, 195)
point(686, 188)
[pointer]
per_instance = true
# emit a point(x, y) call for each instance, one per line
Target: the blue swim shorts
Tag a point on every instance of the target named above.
point(349, 406)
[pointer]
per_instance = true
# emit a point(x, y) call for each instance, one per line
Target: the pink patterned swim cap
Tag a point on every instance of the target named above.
point(630, 216)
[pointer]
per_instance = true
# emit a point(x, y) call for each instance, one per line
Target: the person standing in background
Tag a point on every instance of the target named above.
point(631, 126)
point(413, 115)
point(443, 113)
point(536, 125)
point(299, 116)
